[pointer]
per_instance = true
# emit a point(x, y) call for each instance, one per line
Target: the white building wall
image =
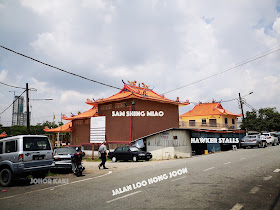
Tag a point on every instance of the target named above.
point(170, 144)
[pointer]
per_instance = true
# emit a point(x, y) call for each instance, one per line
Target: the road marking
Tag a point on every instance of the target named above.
point(242, 158)
point(237, 206)
point(267, 178)
point(123, 196)
point(178, 179)
point(276, 170)
point(227, 163)
point(52, 188)
point(208, 169)
point(254, 190)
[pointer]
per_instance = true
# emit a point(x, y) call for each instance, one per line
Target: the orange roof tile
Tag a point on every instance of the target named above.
point(137, 92)
point(87, 114)
point(3, 134)
point(208, 109)
point(62, 129)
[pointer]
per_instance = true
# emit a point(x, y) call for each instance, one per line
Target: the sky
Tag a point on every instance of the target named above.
point(165, 44)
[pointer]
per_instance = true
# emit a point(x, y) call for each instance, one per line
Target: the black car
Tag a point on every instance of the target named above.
point(129, 153)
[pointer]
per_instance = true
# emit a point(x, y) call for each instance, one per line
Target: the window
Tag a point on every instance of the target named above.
point(119, 149)
point(1, 147)
point(233, 121)
point(119, 105)
point(213, 122)
point(36, 143)
point(226, 121)
point(11, 146)
point(191, 122)
point(125, 149)
point(203, 121)
point(106, 107)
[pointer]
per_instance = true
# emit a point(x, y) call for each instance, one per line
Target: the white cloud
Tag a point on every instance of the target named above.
point(165, 44)
point(3, 75)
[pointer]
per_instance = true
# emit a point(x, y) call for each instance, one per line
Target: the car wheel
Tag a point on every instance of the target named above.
point(147, 159)
point(5, 177)
point(134, 159)
point(114, 159)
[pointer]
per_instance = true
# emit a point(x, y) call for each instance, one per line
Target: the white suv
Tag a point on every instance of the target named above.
point(24, 155)
point(271, 138)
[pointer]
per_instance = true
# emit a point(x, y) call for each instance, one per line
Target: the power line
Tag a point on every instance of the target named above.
point(272, 50)
point(101, 83)
point(11, 85)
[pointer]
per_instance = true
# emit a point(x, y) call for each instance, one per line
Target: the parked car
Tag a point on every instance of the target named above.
point(24, 155)
point(129, 153)
point(62, 157)
point(251, 140)
point(271, 138)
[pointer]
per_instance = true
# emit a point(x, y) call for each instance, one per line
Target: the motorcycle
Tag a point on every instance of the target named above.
point(76, 161)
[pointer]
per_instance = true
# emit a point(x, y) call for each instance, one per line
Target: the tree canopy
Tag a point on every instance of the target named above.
point(265, 119)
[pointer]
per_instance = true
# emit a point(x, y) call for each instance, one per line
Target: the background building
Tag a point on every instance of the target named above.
point(209, 116)
point(18, 116)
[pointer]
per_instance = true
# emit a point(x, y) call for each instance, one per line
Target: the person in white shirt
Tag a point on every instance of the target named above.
point(102, 149)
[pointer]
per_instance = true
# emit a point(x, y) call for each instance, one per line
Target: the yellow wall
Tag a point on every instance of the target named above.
point(220, 119)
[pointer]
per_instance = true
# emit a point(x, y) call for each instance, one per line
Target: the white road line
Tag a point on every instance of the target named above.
point(208, 169)
point(237, 206)
point(178, 179)
point(267, 178)
point(276, 170)
point(254, 190)
point(242, 158)
point(123, 196)
point(52, 188)
point(227, 163)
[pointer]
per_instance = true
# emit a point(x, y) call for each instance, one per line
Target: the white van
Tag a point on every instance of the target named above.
point(24, 155)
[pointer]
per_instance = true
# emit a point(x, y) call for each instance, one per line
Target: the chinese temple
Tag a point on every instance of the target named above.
point(136, 111)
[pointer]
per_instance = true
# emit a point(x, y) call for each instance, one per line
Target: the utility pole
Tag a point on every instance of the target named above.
point(243, 117)
point(27, 110)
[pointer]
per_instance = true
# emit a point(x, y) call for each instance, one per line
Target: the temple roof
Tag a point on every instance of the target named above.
point(3, 134)
point(136, 92)
point(208, 109)
point(87, 114)
point(62, 129)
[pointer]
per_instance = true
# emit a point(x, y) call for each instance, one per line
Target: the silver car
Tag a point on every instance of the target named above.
point(24, 155)
point(62, 157)
point(251, 141)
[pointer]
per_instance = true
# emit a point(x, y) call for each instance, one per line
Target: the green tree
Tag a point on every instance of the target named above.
point(265, 119)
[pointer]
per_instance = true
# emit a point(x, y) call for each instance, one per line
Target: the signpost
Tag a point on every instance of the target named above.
point(97, 131)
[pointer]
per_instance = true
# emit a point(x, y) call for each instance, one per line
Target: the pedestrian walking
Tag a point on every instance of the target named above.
point(262, 137)
point(102, 150)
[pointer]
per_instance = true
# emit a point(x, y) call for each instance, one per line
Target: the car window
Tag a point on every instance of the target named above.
point(134, 149)
point(1, 147)
point(125, 149)
point(119, 149)
point(11, 146)
point(36, 143)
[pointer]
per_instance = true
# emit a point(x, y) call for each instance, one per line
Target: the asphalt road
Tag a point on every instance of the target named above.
point(242, 179)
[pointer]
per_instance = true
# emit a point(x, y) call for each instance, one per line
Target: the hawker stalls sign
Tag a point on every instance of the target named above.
point(137, 113)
